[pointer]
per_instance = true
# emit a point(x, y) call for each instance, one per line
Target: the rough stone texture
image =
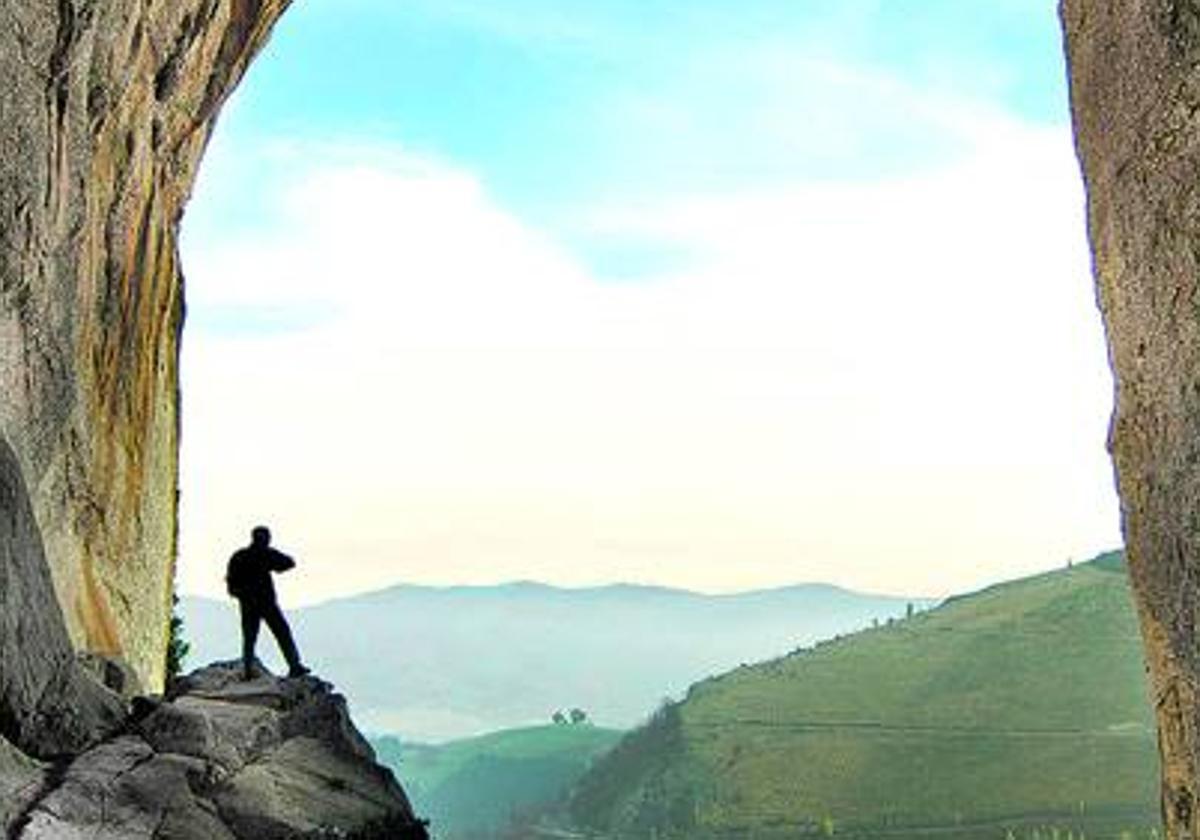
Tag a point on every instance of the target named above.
point(1135, 98)
point(105, 108)
point(112, 672)
point(20, 781)
point(49, 705)
point(268, 759)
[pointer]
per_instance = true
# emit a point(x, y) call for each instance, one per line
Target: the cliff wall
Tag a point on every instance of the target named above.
point(1135, 98)
point(105, 109)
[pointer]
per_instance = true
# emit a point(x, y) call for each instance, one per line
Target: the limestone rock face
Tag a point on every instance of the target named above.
point(223, 759)
point(20, 781)
point(1135, 98)
point(49, 705)
point(105, 108)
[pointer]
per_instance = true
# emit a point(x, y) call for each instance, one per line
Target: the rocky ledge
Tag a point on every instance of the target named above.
point(220, 758)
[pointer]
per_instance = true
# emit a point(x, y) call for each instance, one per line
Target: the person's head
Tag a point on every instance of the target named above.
point(261, 536)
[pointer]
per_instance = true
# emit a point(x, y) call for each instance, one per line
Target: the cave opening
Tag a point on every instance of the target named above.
point(719, 300)
point(545, 300)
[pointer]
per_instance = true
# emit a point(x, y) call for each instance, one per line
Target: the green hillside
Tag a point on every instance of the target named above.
point(473, 788)
point(1021, 707)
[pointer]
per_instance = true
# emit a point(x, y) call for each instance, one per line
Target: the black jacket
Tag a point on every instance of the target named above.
point(248, 577)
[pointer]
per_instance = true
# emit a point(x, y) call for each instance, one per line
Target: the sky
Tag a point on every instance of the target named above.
point(701, 294)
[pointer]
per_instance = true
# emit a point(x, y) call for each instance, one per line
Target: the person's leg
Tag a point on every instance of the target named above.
point(283, 635)
point(250, 622)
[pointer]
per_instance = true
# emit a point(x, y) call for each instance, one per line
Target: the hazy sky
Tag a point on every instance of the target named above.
point(708, 294)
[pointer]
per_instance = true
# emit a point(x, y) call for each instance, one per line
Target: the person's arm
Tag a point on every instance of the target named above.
point(280, 562)
point(233, 583)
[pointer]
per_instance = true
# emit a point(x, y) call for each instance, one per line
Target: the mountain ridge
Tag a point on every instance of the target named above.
point(617, 587)
point(499, 657)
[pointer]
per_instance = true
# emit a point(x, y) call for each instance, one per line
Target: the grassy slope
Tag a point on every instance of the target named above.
point(1026, 700)
point(472, 787)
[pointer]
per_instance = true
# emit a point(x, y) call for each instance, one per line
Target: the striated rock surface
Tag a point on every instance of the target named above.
point(1135, 98)
point(21, 779)
point(105, 108)
point(223, 759)
point(49, 705)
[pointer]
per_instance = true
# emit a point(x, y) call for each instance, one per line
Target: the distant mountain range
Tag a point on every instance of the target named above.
point(437, 663)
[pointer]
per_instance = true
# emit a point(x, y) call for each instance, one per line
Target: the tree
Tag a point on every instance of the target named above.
point(578, 716)
point(177, 646)
point(559, 718)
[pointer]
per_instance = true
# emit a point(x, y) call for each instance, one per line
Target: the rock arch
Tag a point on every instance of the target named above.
point(106, 109)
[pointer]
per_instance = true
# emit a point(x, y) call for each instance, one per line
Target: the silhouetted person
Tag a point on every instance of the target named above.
point(248, 579)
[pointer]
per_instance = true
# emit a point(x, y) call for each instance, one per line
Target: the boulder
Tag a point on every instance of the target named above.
point(21, 779)
point(302, 787)
point(113, 672)
point(226, 759)
point(49, 704)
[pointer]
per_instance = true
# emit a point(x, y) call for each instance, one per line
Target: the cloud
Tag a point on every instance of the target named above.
point(894, 385)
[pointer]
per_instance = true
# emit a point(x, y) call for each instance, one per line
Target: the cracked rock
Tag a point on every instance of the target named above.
point(224, 759)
